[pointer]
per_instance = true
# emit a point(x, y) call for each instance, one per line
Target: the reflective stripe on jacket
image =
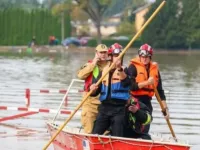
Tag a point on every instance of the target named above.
point(143, 75)
point(134, 124)
point(116, 89)
point(88, 80)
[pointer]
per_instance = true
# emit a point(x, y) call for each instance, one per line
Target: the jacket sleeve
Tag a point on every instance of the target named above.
point(85, 71)
point(95, 80)
point(126, 82)
point(160, 88)
point(143, 115)
point(132, 73)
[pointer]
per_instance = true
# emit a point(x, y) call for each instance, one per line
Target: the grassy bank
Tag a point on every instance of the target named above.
point(43, 51)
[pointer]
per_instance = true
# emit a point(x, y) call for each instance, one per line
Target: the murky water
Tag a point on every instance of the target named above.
point(180, 74)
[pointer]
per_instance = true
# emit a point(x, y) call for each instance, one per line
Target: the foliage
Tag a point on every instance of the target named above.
point(25, 4)
point(17, 26)
point(126, 28)
point(176, 26)
point(192, 24)
point(108, 42)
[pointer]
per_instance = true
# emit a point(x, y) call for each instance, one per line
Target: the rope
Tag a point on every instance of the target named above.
point(101, 141)
point(110, 141)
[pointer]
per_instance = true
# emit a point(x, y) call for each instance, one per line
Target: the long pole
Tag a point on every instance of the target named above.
point(112, 65)
point(163, 110)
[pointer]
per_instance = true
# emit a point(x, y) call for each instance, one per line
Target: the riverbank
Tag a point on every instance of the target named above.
point(57, 50)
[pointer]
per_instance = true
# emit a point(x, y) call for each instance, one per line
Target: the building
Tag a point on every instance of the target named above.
point(139, 15)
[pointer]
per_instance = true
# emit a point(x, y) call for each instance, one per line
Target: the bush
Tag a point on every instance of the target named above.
point(108, 42)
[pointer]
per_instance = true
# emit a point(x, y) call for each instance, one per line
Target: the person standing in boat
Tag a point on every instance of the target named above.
point(137, 116)
point(145, 75)
point(89, 72)
point(114, 94)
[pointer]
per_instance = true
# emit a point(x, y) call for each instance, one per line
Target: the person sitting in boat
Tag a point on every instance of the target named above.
point(88, 72)
point(114, 94)
point(137, 116)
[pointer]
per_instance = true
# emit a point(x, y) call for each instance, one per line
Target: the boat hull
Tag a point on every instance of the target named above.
point(76, 141)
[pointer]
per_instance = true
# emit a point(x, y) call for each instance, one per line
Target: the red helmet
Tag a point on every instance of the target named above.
point(115, 49)
point(145, 50)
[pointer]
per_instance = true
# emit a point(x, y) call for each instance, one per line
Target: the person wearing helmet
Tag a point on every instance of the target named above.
point(144, 74)
point(90, 71)
point(114, 94)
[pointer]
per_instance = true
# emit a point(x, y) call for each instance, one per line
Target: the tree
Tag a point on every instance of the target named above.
point(126, 28)
point(165, 30)
point(63, 10)
point(95, 9)
point(191, 21)
point(26, 4)
point(176, 26)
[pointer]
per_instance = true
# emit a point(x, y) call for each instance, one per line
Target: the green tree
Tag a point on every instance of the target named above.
point(165, 30)
point(63, 10)
point(25, 4)
point(126, 28)
point(176, 26)
point(191, 22)
point(95, 9)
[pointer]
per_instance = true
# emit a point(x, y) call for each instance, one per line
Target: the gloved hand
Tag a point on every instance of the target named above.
point(133, 108)
point(166, 113)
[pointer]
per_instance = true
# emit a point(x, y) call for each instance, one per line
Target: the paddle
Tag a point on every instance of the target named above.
point(164, 112)
point(112, 65)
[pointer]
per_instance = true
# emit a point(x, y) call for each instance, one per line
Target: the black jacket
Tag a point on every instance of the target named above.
point(134, 129)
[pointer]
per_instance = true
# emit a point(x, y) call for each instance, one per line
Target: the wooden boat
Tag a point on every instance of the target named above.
point(73, 139)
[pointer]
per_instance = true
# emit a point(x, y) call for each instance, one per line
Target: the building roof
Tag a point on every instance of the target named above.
point(141, 8)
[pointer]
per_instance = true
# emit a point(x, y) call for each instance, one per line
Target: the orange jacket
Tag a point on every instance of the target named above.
point(142, 75)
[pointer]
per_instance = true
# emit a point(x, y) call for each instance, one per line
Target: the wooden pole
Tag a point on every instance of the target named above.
point(163, 110)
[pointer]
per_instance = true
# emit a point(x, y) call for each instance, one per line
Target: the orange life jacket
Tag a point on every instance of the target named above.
point(142, 75)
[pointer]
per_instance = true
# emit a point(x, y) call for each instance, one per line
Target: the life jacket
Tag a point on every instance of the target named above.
point(116, 89)
point(143, 75)
point(132, 121)
point(88, 80)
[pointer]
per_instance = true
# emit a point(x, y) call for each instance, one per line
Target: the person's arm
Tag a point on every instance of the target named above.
point(96, 88)
point(162, 96)
point(123, 75)
point(160, 88)
point(132, 73)
point(141, 114)
point(85, 71)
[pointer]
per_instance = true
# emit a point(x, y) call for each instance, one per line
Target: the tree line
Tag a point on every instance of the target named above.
point(18, 26)
point(176, 26)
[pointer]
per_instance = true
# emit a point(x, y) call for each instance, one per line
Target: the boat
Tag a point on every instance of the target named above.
point(74, 139)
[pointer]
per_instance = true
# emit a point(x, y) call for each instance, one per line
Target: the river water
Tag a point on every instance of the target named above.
point(180, 74)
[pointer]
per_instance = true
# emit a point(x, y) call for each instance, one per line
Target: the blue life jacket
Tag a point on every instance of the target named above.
point(117, 90)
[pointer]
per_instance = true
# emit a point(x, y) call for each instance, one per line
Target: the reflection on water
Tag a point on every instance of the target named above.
point(180, 74)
